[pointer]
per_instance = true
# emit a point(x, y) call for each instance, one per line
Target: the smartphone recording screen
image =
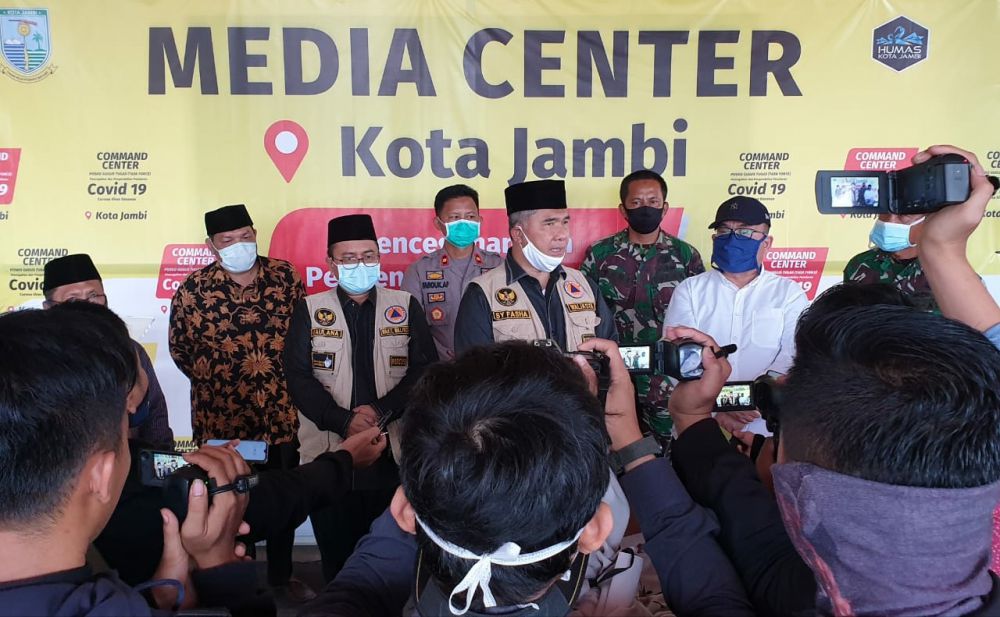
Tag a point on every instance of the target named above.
point(853, 192)
point(734, 395)
point(165, 464)
point(636, 357)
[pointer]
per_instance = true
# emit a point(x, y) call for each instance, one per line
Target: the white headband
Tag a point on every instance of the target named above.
point(479, 575)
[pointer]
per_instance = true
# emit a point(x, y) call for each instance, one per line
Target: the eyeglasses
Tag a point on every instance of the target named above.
point(350, 262)
point(743, 232)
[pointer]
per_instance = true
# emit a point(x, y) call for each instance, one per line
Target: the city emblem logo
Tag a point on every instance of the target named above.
point(900, 43)
point(26, 44)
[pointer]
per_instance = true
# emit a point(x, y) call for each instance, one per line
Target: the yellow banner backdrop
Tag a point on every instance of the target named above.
point(122, 122)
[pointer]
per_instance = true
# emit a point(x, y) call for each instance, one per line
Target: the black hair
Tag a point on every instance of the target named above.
point(641, 174)
point(894, 395)
point(451, 192)
point(853, 294)
point(505, 444)
point(65, 373)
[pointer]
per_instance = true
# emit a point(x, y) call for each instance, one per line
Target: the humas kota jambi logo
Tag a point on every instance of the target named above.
point(26, 44)
point(900, 43)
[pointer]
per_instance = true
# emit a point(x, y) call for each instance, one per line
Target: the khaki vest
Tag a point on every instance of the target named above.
point(514, 317)
point(332, 360)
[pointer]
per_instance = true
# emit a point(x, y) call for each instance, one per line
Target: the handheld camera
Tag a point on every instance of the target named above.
point(598, 362)
point(174, 475)
point(680, 359)
point(938, 182)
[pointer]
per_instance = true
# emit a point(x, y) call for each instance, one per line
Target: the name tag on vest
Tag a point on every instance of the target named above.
point(579, 307)
point(395, 331)
point(323, 361)
point(502, 315)
point(327, 332)
point(399, 361)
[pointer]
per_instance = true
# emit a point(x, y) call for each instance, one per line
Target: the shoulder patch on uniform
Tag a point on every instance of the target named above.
point(437, 314)
point(324, 316)
point(573, 289)
point(434, 275)
point(506, 296)
point(395, 314)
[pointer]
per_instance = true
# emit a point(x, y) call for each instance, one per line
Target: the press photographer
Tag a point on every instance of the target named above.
point(67, 378)
point(915, 437)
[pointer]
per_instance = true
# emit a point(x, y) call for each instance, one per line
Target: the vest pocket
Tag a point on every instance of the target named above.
point(397, 351)
point(326, 351)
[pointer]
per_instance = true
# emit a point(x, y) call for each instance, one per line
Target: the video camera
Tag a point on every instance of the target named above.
point(927, 187)
point(174, 475)
point(598, 362)
point(680, 359)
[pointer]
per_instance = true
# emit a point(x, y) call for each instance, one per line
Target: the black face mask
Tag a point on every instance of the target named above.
point(644, 219)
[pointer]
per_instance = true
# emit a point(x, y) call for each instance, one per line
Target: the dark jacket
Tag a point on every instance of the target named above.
point(753, 534)
point(79, 592)
point(132, 541)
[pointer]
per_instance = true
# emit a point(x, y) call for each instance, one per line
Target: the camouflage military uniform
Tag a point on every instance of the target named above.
point(637, 282)
point(875, 266)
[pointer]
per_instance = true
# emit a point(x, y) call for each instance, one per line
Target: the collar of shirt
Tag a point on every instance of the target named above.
point(346, 299)
point(722, 280)
point(515, 272)
point(446, 261)
point(663, 241)
point(891, 258)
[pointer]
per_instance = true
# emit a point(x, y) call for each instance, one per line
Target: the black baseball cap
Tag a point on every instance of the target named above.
point(743, 209)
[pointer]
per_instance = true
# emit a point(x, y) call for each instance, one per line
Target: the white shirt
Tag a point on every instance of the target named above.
point(759, 317)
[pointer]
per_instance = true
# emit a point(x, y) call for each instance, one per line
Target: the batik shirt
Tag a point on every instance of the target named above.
point(229, 341)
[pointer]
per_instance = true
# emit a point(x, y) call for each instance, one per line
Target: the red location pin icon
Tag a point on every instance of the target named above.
point(163, 309)
point(286, 143)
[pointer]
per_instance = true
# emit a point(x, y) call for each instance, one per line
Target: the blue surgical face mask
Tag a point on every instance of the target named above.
point(892, 237)
point(462, 233)
point(359, 279)
point(733, 253)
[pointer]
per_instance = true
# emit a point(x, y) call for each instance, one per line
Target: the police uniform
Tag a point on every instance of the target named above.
point(341, 354)
point(509, 304)
point(437, 281)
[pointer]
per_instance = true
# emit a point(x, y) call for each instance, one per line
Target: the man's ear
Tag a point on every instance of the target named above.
point(403, 512)
point(211, 247)
point(99, 472)
point(440, 226)
point(621, 210)
point(597, 530)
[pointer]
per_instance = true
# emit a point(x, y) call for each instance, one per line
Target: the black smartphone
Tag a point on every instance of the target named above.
point(736, 396)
